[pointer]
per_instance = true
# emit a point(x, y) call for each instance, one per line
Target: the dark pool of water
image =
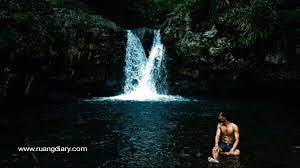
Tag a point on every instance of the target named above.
point(155, 134)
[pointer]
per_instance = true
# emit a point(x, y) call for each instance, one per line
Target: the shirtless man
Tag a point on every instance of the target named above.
point(229, 133)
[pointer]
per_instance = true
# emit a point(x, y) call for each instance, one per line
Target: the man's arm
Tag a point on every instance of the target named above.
point(218, 133)
point(236, 136)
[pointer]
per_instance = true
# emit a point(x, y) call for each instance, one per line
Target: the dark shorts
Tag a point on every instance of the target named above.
point(226, 147)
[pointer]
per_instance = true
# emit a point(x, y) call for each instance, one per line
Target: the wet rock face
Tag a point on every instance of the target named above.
point(146, 36)
point(276, 57)
point(71, 52)
point(204, 58)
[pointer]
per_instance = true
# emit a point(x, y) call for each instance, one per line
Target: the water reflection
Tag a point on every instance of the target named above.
point(146, 134)
point(160, 134)
point(227, 162)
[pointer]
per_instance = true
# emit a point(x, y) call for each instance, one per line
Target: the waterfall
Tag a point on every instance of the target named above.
point(145, 78)
point(135, 57)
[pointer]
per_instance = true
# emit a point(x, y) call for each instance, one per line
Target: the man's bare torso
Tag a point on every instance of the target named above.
point(227, 132)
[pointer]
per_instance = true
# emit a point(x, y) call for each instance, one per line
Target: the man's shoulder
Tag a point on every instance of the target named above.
point(234, 125)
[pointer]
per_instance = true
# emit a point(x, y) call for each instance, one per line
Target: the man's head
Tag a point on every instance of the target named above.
point(222, 116)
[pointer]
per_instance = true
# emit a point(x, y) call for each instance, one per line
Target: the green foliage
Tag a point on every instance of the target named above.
point(251, 23)
point(30, 33)
point(178, 8)
point(57, 3)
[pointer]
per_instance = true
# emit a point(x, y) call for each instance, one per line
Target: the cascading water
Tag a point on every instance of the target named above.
point(135, 59)
point(145, 78)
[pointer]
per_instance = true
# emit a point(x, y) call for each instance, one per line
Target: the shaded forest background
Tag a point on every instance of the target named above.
point(50, 46)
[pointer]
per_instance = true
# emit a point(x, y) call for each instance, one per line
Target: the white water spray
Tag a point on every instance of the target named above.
point(147, 71)
point(145, 78)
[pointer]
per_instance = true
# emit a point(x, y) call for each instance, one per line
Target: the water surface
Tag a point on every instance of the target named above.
point(159, 134)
